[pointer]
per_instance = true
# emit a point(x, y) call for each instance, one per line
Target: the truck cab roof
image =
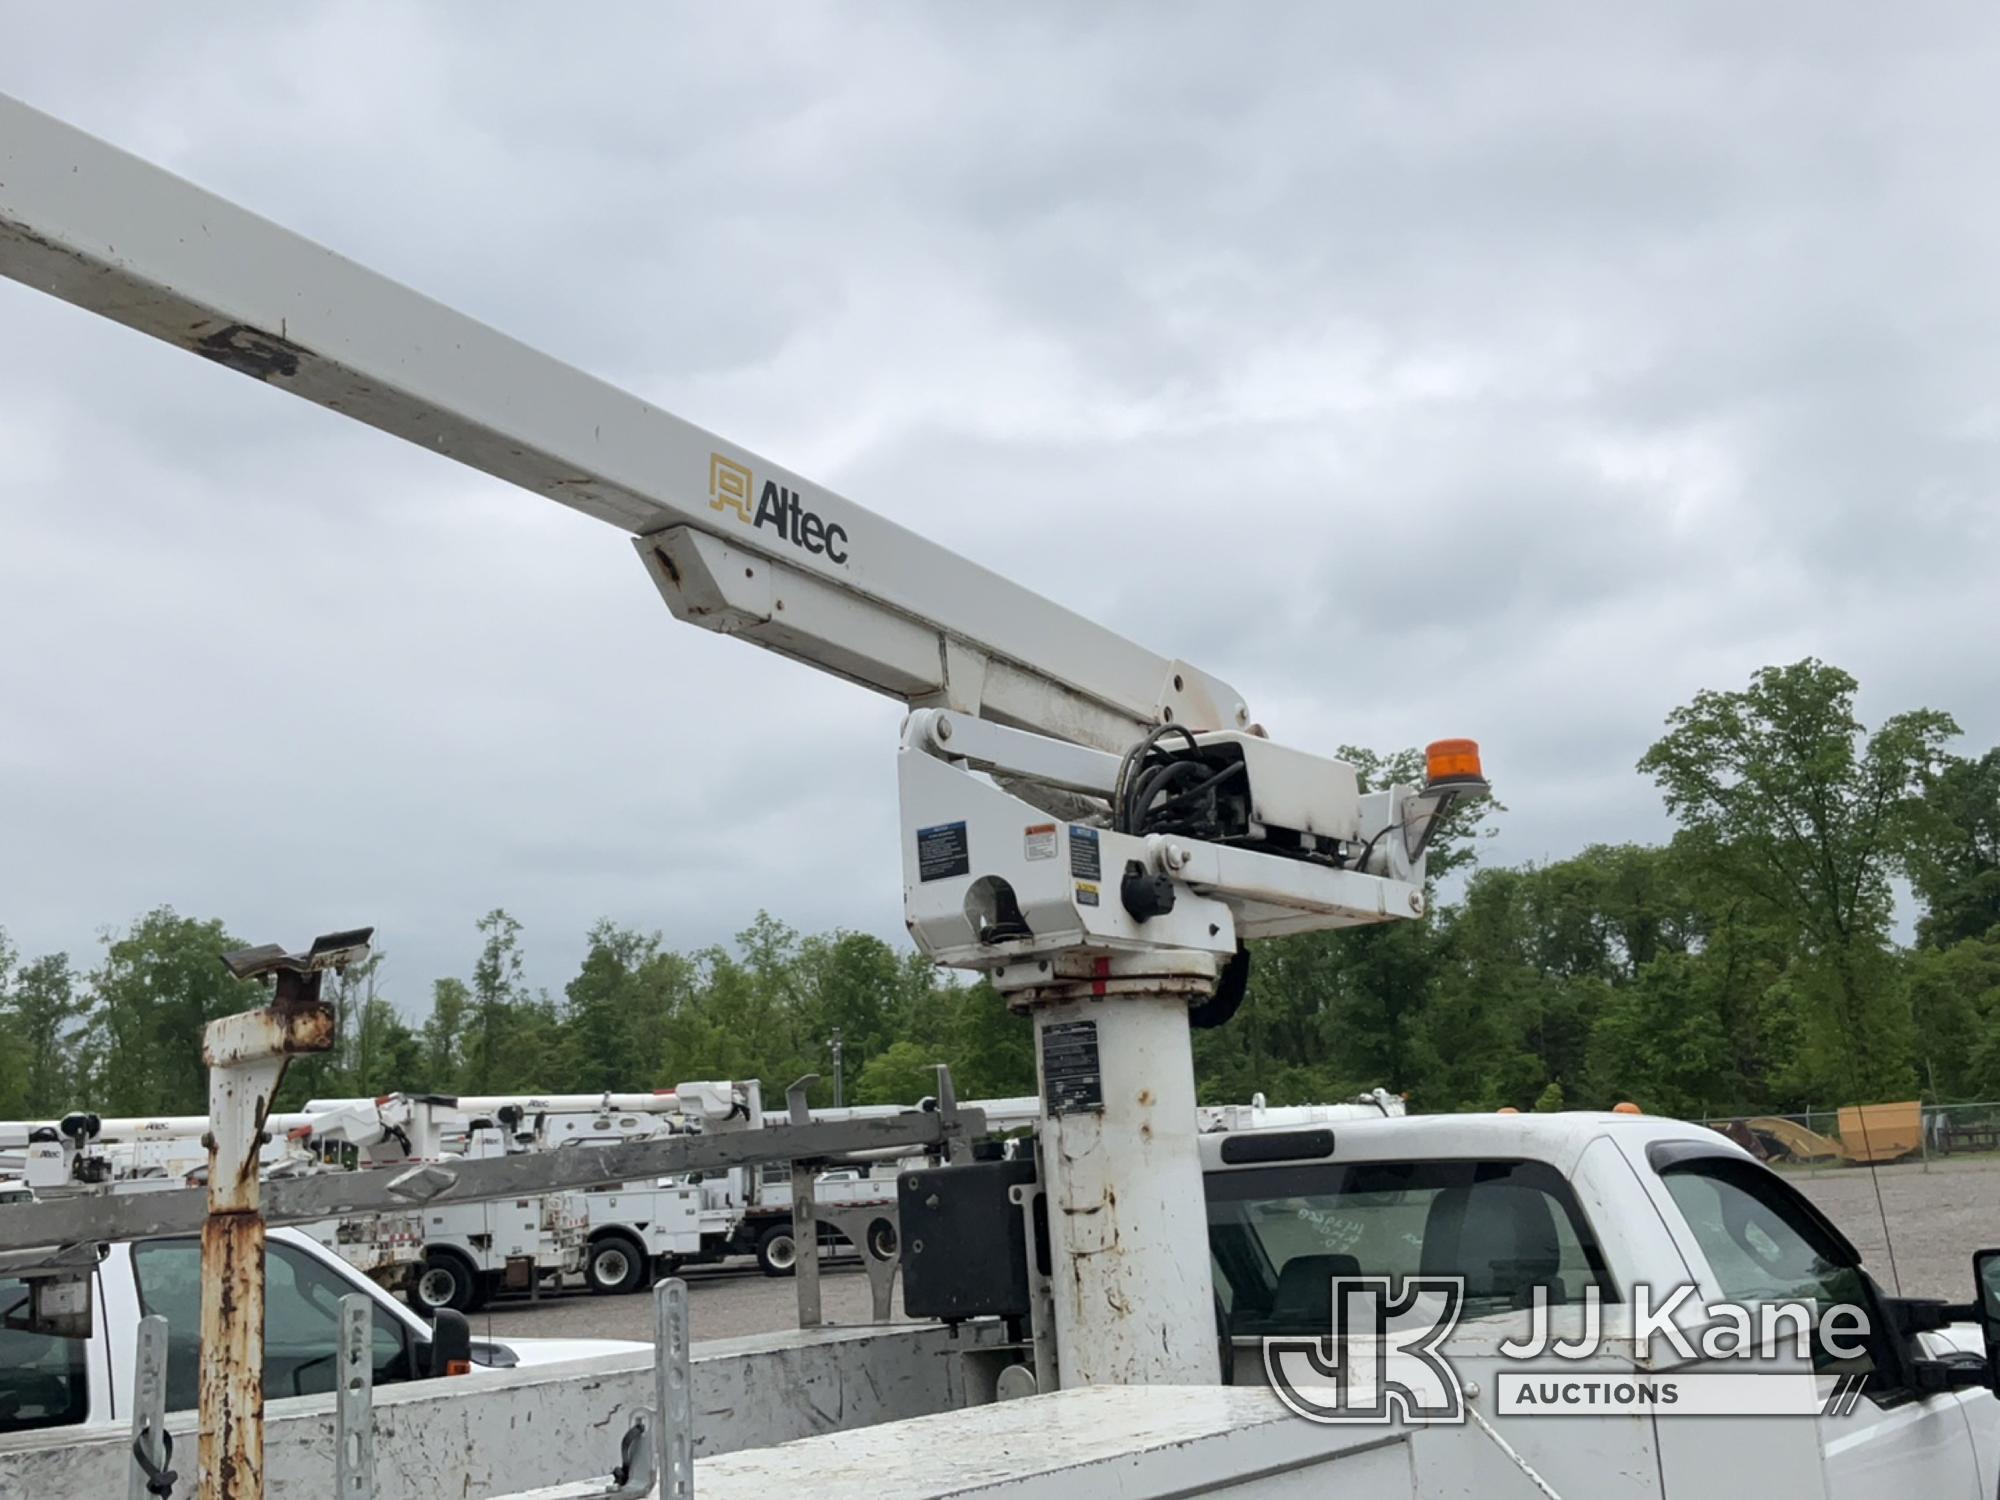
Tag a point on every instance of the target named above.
point(1559, 1140)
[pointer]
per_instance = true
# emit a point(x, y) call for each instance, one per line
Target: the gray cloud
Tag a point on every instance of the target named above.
point(1429, 371)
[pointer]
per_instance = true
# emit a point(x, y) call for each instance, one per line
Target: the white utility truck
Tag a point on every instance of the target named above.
point(1571, 1207)
point(620, 1235)
point(152, 1153)
point(633, 1231)
point(67, 1372)
point(629, 1231)
point(470, 1250)
point(1555, 1207)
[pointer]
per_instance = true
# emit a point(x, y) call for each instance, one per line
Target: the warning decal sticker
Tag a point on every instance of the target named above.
point(1083, 856)
point(942, 852)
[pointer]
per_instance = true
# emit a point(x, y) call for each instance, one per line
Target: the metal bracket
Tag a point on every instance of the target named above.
point(805, 1242)
point(805, 1212)
point(1041, 1292)
point(152, 1445)
point(673, 1389)
point(633, 1478)
point(957, 1145)
point(875, 1231)
point(659, 1445)
point(354, 1401)
point(795, 1099)
point(420, 1184)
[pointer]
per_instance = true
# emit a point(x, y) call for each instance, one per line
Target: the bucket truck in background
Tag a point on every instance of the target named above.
point(469, 1250)
point(156, 1153)
point(632, 1231)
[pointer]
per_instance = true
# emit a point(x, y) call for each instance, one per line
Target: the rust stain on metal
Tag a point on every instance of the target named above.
point(310, 1030)
point(231, 1463)
point(246, 1171)
point(276, 1030)
point(252, 351)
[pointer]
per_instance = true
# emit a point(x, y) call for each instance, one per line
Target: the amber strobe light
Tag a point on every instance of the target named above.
point(1453, 763)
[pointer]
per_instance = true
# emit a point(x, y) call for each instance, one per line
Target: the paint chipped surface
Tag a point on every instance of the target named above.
point(231, 1452)
point(499, 1431)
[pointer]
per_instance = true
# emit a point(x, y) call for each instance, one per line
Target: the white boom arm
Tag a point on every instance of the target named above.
point(485, 1104)
point(735, 542)
point(1194, 831)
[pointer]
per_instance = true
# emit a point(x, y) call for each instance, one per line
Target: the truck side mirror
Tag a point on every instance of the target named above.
point(59, 1306)
point(450, 1349)
point(1986, 1282)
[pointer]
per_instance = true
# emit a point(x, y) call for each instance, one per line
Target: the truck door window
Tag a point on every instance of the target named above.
point(43, 1381)
point(1763, 1249)
point(302, 1327)
point(301, 1320)
point(1278, 1236)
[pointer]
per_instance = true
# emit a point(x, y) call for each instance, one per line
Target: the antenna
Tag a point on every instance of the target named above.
point(1875, 1181)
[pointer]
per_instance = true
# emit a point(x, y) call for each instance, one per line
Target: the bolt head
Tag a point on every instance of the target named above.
point(943, 727)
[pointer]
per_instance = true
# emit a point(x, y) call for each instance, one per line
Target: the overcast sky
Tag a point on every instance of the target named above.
point(1505, 371)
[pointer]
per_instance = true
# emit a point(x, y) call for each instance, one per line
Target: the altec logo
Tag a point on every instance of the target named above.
point(730, 486)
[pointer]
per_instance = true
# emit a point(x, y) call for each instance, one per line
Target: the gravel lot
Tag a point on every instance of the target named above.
point(723, 1302)
point(1939, 1215)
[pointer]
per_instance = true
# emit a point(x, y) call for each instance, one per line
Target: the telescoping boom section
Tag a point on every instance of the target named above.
point(735, 541)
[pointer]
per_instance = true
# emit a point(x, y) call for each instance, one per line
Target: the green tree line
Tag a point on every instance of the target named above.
point(1748, 963)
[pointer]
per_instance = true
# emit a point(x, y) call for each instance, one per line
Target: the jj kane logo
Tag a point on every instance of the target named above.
point(730, 486)
point(1387, 1360)
point(1383, 1361)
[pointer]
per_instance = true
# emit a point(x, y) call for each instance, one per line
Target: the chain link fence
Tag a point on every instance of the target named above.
point(1909, 1132)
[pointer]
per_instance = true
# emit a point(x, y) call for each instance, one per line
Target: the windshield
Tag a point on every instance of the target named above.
point(1279, 1236)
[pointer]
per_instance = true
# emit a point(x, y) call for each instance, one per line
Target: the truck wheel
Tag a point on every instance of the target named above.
point(614, 1266)
point(447, 1280)
point(777, 1251)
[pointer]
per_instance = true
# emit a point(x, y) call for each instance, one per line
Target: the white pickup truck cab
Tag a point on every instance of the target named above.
point(51, 1381)
point(1573, 1201)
